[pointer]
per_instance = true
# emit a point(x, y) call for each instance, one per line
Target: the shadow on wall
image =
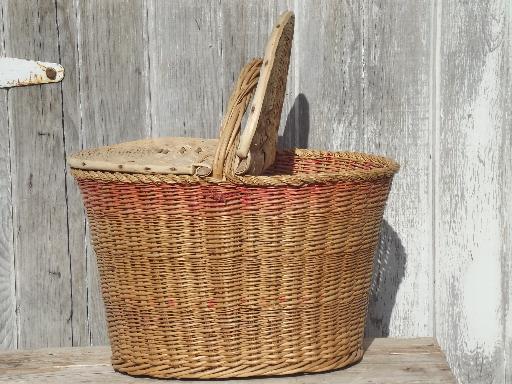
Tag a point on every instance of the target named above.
point(390, 258)
point(389, 269)
point(296, 130)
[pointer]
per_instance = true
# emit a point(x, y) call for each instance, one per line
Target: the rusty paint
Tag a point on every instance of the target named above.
point(51, 73)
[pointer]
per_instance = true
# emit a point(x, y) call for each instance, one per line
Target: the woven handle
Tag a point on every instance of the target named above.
point(223, 162)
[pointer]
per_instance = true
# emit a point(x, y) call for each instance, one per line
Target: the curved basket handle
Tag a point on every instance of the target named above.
point(223, 162)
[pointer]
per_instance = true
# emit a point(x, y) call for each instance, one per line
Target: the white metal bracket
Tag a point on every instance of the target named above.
point(19, 72)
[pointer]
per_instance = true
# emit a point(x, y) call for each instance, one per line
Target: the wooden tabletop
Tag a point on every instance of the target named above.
point(394, 361)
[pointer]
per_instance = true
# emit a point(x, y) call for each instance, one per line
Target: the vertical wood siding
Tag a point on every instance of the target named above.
point(67, 19)
point(396, 122)
point(473, 237)
point(42, 267)
point(8, 325)
point(427, 82)
point(114, 96)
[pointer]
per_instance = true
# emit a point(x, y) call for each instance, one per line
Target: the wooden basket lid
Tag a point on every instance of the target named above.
point(258, 141)
point(166, 155)
point(255, 147)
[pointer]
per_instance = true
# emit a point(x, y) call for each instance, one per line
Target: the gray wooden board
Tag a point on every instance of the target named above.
point(472, 228)
point(67, 19)
point(114, 96)
point(185, 55)
point(386, 361)
point(328, 46)
point(43, 288)
point(196, 53)
point(506, 202)
point(8, 327)
point(373, 67)
point(396, 123)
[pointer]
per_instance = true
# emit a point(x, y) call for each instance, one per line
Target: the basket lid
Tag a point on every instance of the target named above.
point(258, 141)
point(166, 155)
point(255, 147)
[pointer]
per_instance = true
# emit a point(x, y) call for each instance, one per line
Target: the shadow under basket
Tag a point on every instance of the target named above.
point(249, 276)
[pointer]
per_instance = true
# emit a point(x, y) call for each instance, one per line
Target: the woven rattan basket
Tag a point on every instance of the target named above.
point(235, 274)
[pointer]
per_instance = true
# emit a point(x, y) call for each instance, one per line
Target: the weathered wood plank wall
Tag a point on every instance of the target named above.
point(396, 121)
point(473, 233)
point(114, 92)
point(427, 82)
point(8, 325)
point(42, 268)
point(68, 34)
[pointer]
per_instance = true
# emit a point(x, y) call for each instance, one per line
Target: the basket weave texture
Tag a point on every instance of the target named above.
point(246, 276)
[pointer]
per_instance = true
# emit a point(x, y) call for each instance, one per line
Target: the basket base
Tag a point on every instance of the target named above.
point(164, 371)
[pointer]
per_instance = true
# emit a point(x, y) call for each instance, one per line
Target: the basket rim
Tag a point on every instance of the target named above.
point(385, 168)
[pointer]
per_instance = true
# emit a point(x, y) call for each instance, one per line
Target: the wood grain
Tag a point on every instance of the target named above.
point(472, 274)
point(328, 45)
point(195, 55)
point(386, 361)
point(373, 64)
point(506, 202)
point(505, 180)
point(114, 98)
point(43, 289)
point(67, 19)
point(8, 326)
point(186, 69)
point(396, 122)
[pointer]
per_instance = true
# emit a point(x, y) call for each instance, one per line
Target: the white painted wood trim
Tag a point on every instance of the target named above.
point(20, 72)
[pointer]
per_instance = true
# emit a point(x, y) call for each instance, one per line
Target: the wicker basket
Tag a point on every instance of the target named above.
point(239, 275)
